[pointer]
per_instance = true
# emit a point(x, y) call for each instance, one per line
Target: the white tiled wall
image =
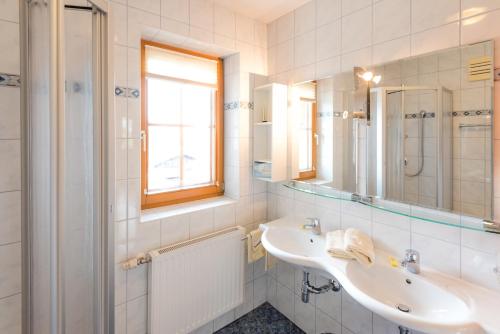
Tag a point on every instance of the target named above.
point(333, 35)
point(203, 26)
point(10, 176)
point(462, 253)
point(340, 34)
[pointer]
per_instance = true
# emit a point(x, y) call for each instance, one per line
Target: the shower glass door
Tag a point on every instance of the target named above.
point(80, 182)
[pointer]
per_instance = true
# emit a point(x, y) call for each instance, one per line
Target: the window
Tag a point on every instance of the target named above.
point(307, 131)
point(181, 127)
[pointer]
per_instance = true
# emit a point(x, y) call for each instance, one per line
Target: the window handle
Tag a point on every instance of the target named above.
point(143, 139)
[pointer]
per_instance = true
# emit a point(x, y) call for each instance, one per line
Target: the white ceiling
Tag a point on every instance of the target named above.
point(262, 10)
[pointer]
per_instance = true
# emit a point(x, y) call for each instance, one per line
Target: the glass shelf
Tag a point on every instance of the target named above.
point(413, 212)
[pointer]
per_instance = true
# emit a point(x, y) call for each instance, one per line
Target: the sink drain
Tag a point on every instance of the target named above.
point(403, 308)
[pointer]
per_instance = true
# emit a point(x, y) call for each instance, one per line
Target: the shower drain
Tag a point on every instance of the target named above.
point(403, 308)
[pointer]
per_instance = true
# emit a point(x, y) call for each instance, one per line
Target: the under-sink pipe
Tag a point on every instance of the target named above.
point(404, 330)
point(307, 288)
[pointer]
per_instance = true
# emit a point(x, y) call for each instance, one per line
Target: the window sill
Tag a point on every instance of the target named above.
point(150, 215)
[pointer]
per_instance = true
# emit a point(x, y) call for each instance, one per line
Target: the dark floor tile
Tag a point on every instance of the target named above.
point(265, 319)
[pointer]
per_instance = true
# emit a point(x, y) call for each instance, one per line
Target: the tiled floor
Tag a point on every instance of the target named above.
point(265, 319)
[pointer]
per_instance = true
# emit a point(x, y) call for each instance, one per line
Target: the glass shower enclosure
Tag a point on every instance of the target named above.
point(412, 145)
point(68, 271)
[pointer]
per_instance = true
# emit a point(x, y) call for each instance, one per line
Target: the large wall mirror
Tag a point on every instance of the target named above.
point(417, 130)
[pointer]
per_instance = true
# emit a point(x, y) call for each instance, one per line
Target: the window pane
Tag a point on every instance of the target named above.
point(164, 102)
point(198, 148)
point(164, 158)
point(198, 105)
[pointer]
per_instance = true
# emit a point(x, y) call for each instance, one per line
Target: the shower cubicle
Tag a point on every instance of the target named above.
point(411, 145)
point(67, 235)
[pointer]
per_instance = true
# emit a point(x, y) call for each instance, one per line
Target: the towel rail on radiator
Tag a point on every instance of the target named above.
point(195, 281)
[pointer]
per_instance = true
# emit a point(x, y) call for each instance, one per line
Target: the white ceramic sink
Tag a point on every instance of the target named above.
point(430, 302)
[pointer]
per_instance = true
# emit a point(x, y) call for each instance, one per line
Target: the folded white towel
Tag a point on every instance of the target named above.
point(360, 245)
point(335, 244)
point(350, 244)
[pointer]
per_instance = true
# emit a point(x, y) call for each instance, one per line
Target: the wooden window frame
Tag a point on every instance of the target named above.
point(191, 194)
point(311, 174)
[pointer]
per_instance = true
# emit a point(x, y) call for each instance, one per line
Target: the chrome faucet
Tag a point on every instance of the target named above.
point(411, 261)
point(315, 226)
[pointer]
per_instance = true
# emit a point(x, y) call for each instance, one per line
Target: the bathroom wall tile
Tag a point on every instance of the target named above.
point(9, 48)
point(224, 22)
point(137, 282)
point(10, 275)
point(361, 57)
point(285, 301)
point(173, 32)
point(383, 326)
point(285, 274)
point(224, 320)
point(10, 115)
point(391, 239)
point(356, 36)
point(443, 37)
point(120, 117)
point(133, 198)
point(244, 211)
point(259, 291)
point(327, 68)
point(245, 30)
point(330, 219)
point(121, 159)
point(325, 324)
point(304, 49)
point(328, 40)
point(10, 217)
point(224, 216)
point(247, 305)
point(305, 18)
point(304, 316)
point(9, 10)
point(141, 24)
point(119, 23)
point(143, 237)
point(137, 317)
point(364, 225)
point(385, 29)
point(121, 319)
point(329, 303)
point(349, 6)
point(428, 14)
point(392, 50)
point(480, 28)
point(439, 255)
point(175, 9)
point(474, 7)
point(133, 158)
point(11, 311)
point(201, 14)
point(327, 11)
point(285, 28)
point(120, 241)
point(174, 229)
point(134, 117)
point(477, 267)
point(120, 285)
point(152, 6)
point(354, 316)
point(10, 178)
point(260, 34)
point(201, 222)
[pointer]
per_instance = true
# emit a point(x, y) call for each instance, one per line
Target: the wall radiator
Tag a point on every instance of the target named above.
point(196, 281)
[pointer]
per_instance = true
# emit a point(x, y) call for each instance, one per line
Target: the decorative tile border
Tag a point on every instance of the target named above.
point(466, 113)
point(425, 115)
point(238, 105)
point(10, 80)
point(127, 92)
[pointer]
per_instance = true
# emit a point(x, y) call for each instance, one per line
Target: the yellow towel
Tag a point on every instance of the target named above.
point(254, 246)
point(350, 244)
point(360, 245)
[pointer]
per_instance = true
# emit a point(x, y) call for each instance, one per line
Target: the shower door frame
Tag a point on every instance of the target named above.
point(103, 89)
